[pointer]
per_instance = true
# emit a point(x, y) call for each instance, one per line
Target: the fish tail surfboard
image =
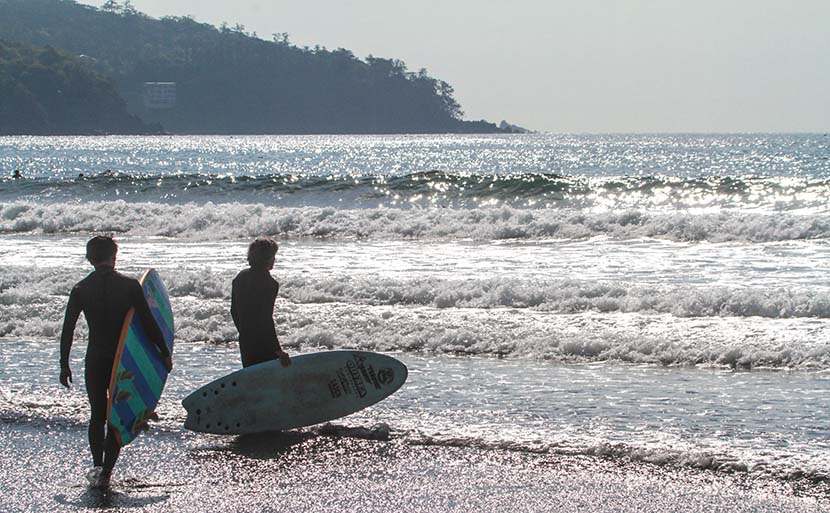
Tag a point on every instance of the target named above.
point(315, 388)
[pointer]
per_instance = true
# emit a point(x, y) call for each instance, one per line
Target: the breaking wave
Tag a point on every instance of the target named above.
point(435, 188)
point(558, 320)
point(236, 220)
point(28, 286)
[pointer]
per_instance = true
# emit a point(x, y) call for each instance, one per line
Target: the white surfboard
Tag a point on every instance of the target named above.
point(315, 388)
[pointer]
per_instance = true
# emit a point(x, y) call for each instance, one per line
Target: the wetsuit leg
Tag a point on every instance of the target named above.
point(96, 391)
point(111, 450)
point(104, 449)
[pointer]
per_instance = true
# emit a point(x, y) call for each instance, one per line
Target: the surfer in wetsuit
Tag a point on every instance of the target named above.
point(105, 297)
point(253, 295)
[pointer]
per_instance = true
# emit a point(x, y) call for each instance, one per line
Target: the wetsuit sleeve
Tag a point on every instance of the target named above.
point(234, 306)
point(73, 311)
point(148, 321)
point(272, 326)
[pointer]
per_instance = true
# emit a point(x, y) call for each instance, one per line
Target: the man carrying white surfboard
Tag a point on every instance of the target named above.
point(104, 296)
point(269, 396)
point(253, 295)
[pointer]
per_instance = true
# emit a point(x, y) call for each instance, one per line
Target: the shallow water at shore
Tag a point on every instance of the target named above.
point(42, 470)
point(761, 423)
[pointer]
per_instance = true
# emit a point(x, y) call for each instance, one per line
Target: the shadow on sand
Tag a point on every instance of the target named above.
point(269, 445)
point(274, 445)
point(106, 498)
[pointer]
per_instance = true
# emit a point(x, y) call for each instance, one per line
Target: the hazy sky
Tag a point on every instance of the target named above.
point(579, 66)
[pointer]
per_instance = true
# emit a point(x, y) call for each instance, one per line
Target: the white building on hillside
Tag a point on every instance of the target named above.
point(159, 95)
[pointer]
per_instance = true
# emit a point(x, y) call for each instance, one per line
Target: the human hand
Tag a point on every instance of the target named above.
point(66, 377)
point(285, 360)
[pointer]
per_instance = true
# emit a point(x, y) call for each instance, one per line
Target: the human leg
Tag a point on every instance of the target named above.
point(97, 383)
point(102, 440)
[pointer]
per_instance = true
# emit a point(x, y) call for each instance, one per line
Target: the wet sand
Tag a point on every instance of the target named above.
point(42, 468)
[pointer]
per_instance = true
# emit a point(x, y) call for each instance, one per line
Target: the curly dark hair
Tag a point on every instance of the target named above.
point(100, 249)
point(261, 251)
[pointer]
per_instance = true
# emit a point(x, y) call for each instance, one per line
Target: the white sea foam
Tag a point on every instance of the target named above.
point(570, 339)
point(566, 321)
point(567, 296)
point(34, 286)
point(782, 467)
point(233, 221)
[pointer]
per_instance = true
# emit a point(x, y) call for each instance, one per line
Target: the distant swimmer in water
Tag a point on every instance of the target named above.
point(253, 294)
point(17, 174)
point(107, 173)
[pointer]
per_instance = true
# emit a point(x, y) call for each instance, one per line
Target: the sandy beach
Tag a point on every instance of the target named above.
point(42, 469)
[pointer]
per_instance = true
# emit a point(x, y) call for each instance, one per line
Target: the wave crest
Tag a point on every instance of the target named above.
point(235, 220)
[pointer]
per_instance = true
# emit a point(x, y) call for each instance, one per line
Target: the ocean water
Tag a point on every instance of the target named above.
point(659, 299)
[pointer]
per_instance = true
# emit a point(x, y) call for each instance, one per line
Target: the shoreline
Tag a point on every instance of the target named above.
point(44, 467)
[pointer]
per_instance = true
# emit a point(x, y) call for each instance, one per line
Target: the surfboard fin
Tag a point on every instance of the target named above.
point(142, 422)
point(125, 375)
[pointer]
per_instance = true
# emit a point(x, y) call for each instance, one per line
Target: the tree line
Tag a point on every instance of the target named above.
point(44, 91)
point(231, 81)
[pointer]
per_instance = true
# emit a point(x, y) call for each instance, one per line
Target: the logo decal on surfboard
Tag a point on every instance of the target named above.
point(356, 376)
point(357, 380)
point(386, 376)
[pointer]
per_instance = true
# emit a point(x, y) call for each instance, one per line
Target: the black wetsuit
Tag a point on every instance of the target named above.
point(105, 297)
point(252, 308)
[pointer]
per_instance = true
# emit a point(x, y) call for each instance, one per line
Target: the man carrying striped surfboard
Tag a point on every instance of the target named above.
point(105, 297)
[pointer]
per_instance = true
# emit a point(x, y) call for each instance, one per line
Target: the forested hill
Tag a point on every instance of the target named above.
point(229, 81)
point(45, 92)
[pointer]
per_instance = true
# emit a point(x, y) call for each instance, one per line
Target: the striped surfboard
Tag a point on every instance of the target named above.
point(138, 373)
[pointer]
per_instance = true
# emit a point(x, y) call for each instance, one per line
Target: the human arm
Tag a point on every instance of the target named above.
point(285, 360)
point(234, 305)
point(70, 319)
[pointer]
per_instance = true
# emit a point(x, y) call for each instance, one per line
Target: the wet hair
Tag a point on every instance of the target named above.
point(100, 249)
point(261, 251)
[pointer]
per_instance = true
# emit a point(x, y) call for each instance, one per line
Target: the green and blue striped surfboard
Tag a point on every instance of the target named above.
point(138, 373)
